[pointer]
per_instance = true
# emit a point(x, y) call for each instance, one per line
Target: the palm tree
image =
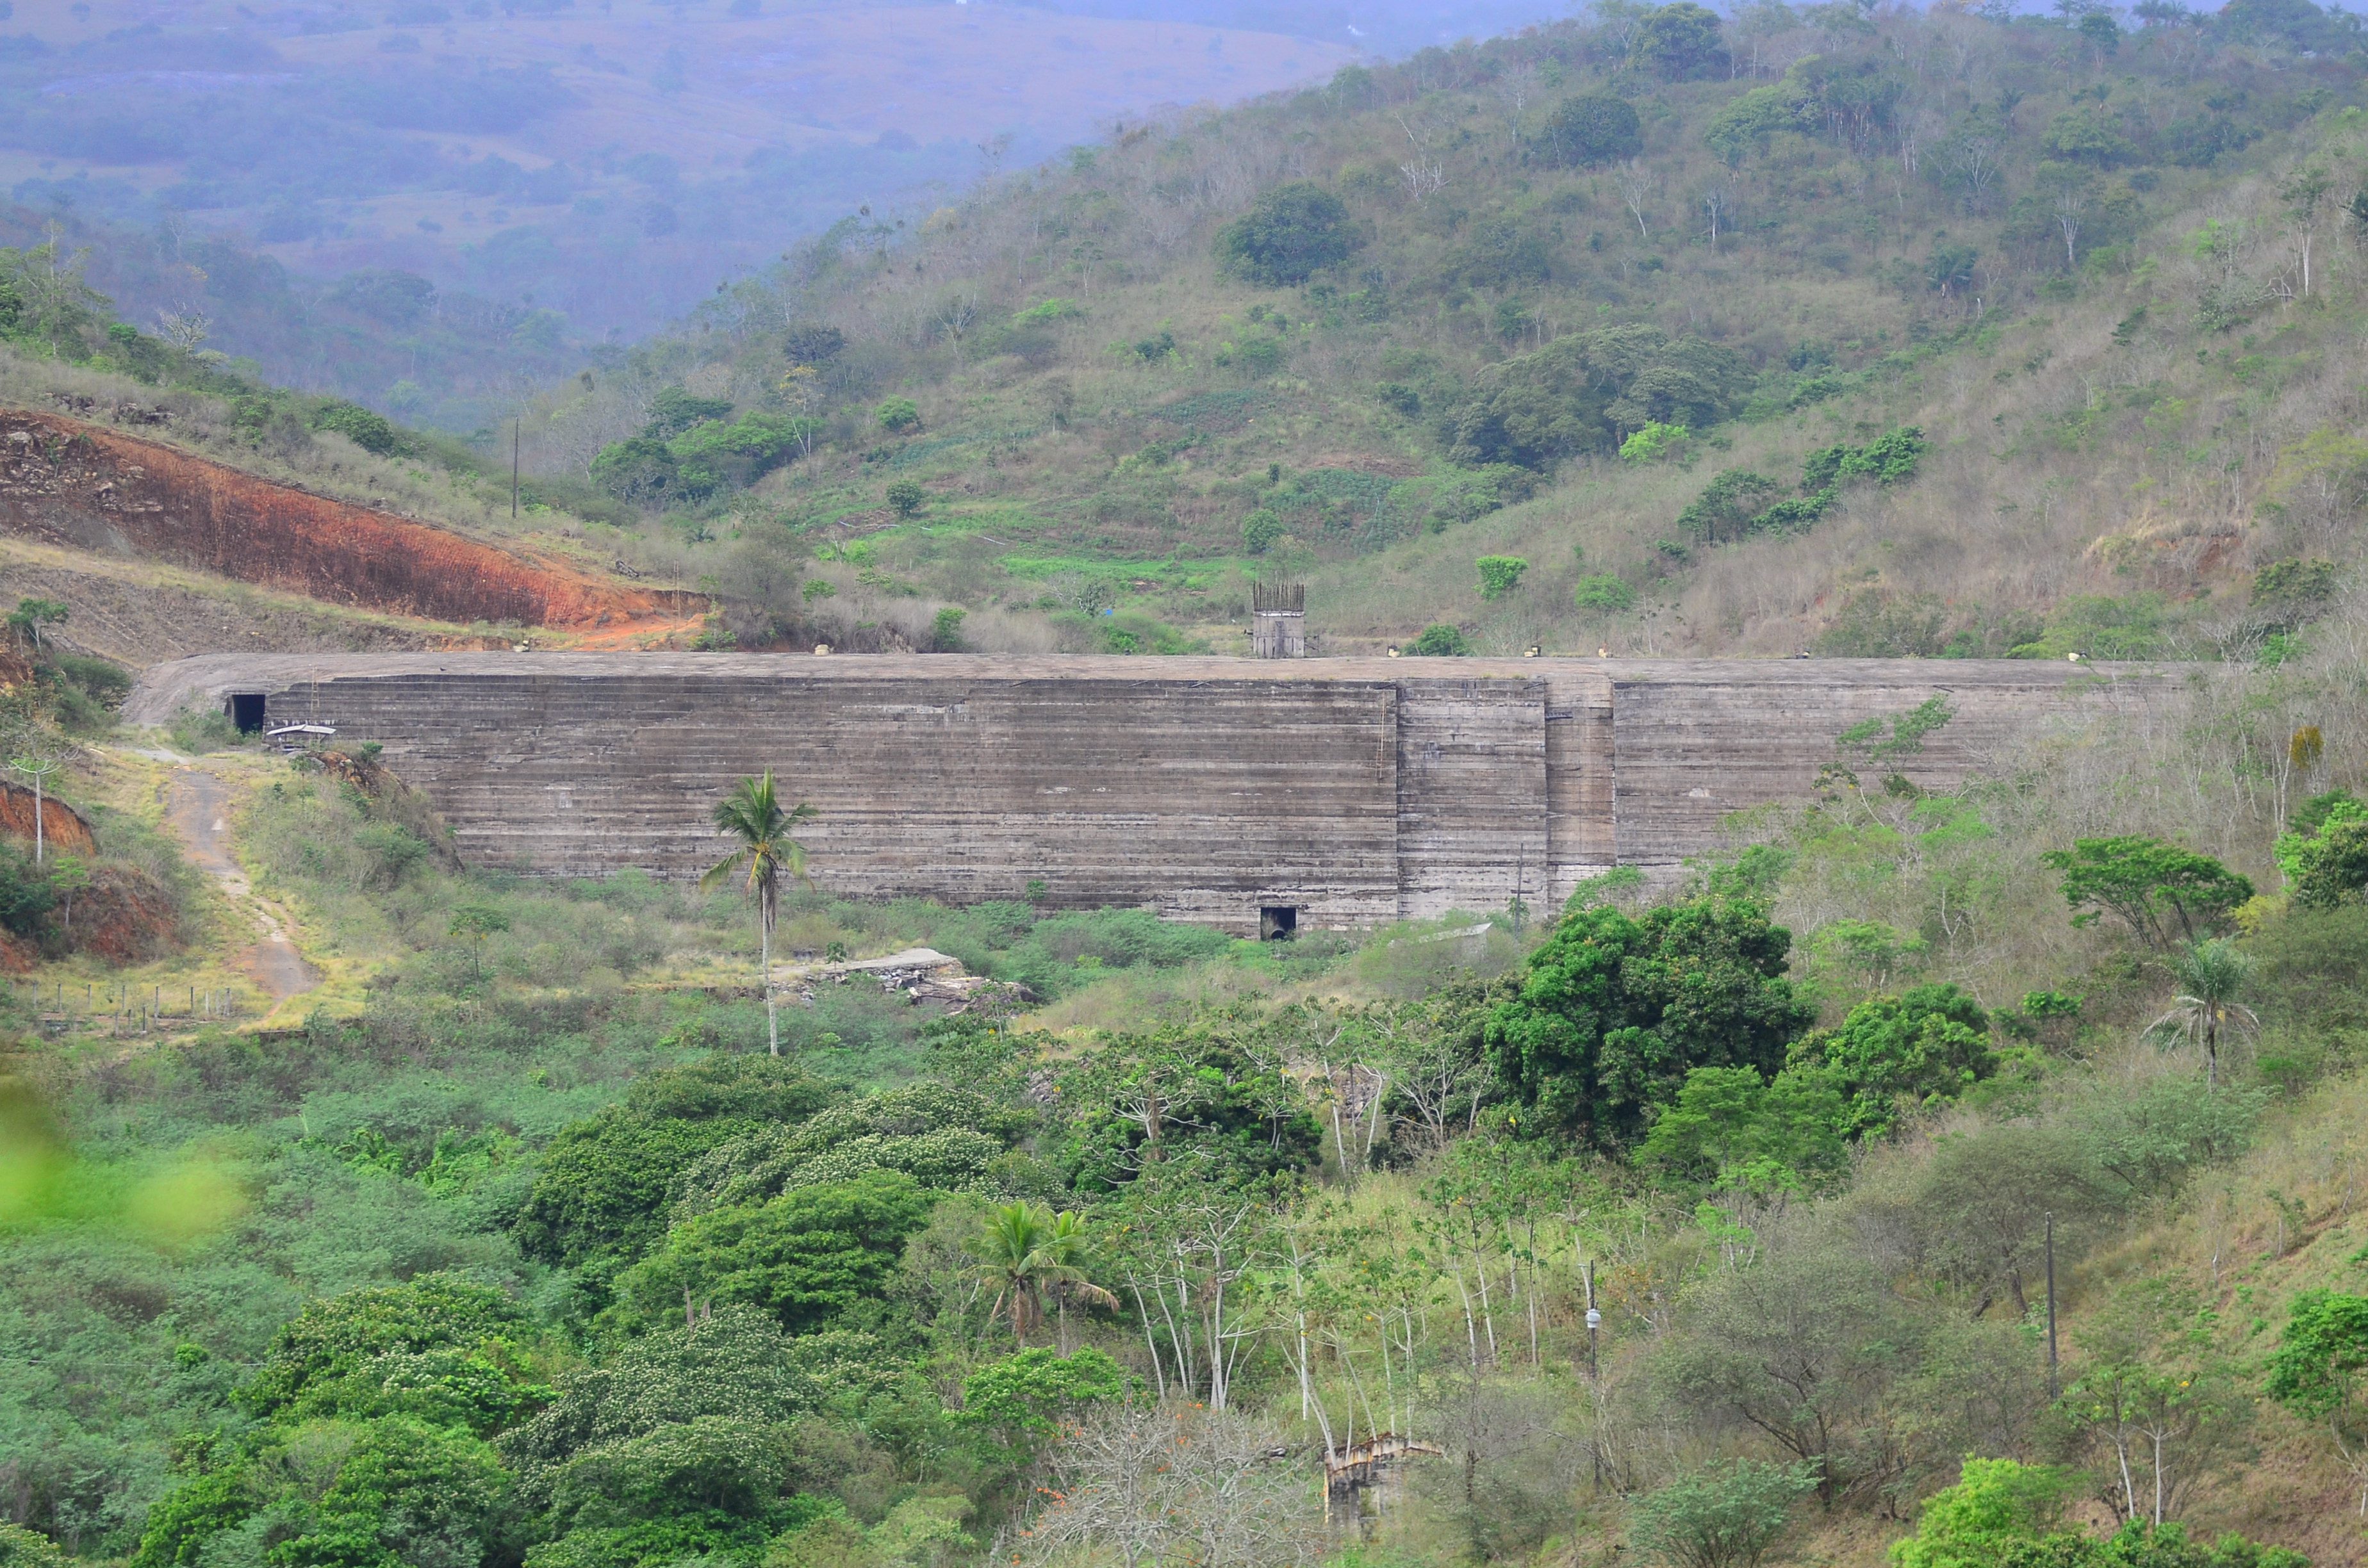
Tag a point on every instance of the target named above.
point(1027, 1250)
point(752, 813)
point(2211, 975)
point(1068, 1252)
point(1008, 1258)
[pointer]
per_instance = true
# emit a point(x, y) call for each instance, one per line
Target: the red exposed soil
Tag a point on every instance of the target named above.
point(63, 829)
point(89, 487)
point(124, 917)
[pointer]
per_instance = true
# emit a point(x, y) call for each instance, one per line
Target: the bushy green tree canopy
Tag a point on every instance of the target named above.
point(1996, 1505)
point(1678, 41)
point(805, 1257)
point(318, 1358)
point(1722, 1517)
point(1730, 1123)
point(1202, 1094)
point(2320, 1369)
point(1592, 128)
point(2002, 1513)
point(337, 1495)
point(603, 1187)
point(1615, 1011)
point(1928, 1044)
point(1023, 1399)
point(2160, 890)
point(943, 1137)
point(1440, 641)
point(1578, 393)
point(2324, 856)
point(1290, 232)
point(688, 1427)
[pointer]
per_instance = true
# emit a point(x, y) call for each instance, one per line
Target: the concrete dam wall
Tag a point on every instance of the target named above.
point(1232, 792)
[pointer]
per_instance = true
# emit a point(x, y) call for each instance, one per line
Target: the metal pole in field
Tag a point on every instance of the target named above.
point(515, 426)
point(38, 769)
point(1594, 1323)
point(2050, 1306)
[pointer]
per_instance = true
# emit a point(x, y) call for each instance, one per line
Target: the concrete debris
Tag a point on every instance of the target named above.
point(920, 976)
point(124, 411)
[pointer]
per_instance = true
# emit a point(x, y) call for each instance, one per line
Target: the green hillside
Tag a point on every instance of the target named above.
point(1370, 334)
point(1934, 1178)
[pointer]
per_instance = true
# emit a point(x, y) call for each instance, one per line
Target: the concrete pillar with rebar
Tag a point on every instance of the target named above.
point(1279, 621)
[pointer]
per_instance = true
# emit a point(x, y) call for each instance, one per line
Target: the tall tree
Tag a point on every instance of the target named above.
point(752, 813)
point(2148, 884)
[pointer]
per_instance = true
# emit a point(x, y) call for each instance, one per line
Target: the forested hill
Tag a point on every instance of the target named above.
point(1865, 331)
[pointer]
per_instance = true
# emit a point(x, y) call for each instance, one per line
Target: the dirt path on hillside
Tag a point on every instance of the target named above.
point(197, 806)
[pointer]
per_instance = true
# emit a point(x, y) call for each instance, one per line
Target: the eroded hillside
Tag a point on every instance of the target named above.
point(73, 482)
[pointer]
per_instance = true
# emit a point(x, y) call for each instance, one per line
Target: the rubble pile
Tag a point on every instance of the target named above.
point(922, 975)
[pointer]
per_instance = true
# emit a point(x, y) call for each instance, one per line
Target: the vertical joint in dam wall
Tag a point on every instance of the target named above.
point(1279, 621)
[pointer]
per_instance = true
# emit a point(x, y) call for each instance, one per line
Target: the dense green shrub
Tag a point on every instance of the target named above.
point(1725, 511)
point(1920, 1049)
point(336, 1349)
point(372, 432)
point(1579, 392)
point(1604, 594)
point(1439, 642)
point(1591, 127)
point(1289, 233)
point(1499, 574)
point(1678, 41)
point(945, 1138)
point(86, 692)
point(1225, 1111)
point(642, 471)
point(1730, 1122)
point(1614, 1012)
point(805, 1256)
point(1722, 1517)
point(675, 410)
point(601, 1193)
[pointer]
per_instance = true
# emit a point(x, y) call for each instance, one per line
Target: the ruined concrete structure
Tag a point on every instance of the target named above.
point(1278, 620)
point(1248, 795)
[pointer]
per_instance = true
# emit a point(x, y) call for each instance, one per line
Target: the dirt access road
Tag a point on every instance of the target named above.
point(198, 804)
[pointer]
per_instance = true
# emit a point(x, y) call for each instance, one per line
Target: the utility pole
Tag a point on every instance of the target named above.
point(2050, 1305)
point(1594, 1323)
point(514, 424)
point(38, 769)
